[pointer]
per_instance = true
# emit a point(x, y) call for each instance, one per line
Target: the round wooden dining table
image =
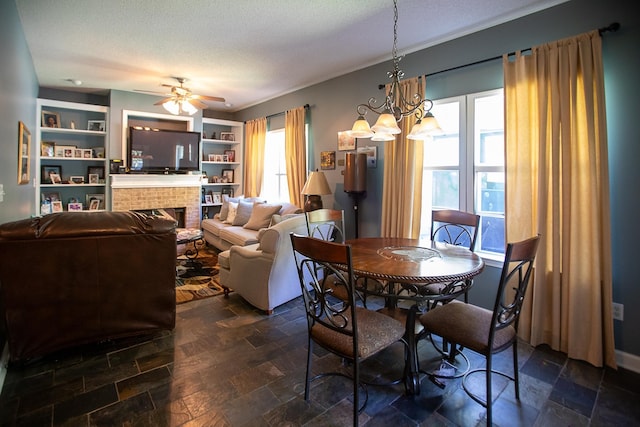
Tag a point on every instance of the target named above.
point(413, 262)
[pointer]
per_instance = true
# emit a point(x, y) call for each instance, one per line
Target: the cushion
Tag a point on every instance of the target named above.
point(232, 210)
point(224, 209)
point(289, 208)
point(261, 215)
point(243, 213)
point(278, 218)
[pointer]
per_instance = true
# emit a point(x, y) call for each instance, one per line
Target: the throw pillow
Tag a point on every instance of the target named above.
point(244, 212)
point(261, 215)
point(231, 215)
point(277, 218)
point(224, 209)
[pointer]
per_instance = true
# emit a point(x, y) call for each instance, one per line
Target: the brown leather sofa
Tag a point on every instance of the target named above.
point(75, 278)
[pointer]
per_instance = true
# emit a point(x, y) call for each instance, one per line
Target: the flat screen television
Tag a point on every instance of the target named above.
point(163, 151)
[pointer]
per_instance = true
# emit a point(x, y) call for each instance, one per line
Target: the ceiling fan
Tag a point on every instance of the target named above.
point(181, 99)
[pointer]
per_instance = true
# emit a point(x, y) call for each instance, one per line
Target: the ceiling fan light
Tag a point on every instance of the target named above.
point(172, 106)
point(361, 128)
point(386, 123)
point(188, 108)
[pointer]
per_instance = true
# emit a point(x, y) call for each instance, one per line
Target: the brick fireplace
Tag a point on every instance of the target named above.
point(145, 192)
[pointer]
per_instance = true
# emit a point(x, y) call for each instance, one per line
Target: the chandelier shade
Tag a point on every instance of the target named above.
point(395, 106)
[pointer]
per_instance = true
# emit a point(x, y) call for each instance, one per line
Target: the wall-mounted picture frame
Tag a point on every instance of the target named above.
point(227, 136)
point(47, 149)
point(372, 155)
point(47, 170)
point(96, 125)
point(327, 160)
point(346, 142)
point(56, 206)
point(231, 155)
point(50, 119)
point(98, 170)
point(24, 154)
point(227, 175)
point(91, 198)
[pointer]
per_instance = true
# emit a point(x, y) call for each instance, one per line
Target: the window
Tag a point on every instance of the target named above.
point(274, 180)
point(464, 166)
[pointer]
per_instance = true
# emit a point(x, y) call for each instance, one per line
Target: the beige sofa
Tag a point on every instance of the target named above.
point(251, 216)
point(264, 273)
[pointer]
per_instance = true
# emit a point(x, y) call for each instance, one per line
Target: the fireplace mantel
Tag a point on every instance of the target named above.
point(150, 180)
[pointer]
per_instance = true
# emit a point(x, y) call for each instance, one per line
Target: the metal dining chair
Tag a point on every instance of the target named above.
point(489, 331)
point(326, 224)
point(339, 325)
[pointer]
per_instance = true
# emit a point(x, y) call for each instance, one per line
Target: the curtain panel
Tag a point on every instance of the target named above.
point(557, 184)
point(256, 135)
point(403, 162)
point(295, 153)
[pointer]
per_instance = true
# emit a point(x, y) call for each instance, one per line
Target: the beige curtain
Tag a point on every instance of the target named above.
point(402, 188)
point(256, 131)
point(558, 185)
point(295, 152)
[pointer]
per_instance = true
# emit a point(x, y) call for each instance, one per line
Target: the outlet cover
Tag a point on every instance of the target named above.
point(618, 311)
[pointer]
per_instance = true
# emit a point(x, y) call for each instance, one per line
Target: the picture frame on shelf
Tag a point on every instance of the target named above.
point(94, 178)
point(50, 119)
point(346, 142)
point(47, 170)
point(69, 152)
point(231, 155)
point(96, 125)
point(225, 158)
point(227, 136)
point(77, 153)
point(227, 191)
point(94, 205)
point(98, 152)
point(74, 207)
point(327, 160)
point(76, 179)
point(87, 153)
point(217, 197)
point(50, 197)
point(45, 208)
point(97, 170)
point(208, 199)
point(90, 198)
point(56, 206)
point(55, 178)
point(47, 149)
point(227, 175)
point(24, 154)
point(211, 157)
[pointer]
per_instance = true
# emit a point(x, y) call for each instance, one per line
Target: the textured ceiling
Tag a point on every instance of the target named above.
point(247, 51)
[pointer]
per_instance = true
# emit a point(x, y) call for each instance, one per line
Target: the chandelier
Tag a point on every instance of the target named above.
point(395, 106)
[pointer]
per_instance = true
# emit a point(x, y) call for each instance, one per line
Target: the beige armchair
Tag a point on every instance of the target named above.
point(264, 273)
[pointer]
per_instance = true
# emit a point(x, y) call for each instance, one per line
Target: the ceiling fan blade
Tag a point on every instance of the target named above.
point(151, 92)
point(209, 98)
point(162, 101)
point(198, 104)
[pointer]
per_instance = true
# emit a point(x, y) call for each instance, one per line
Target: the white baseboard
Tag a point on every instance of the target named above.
point(4, 362)
point(628, 361)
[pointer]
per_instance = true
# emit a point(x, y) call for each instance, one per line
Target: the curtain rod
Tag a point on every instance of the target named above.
point(306, 107)
point(613, 27)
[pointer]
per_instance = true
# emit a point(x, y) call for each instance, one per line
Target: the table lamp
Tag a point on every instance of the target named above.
point(315, 187)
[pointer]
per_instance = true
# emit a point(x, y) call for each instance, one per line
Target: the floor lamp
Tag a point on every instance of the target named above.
point(355, 180)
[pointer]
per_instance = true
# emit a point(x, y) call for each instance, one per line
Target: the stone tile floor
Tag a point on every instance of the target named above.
point(227, 364)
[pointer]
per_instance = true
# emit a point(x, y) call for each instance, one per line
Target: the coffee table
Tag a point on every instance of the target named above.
point(186, 236)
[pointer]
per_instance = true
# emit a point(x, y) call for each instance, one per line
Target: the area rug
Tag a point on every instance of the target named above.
point(200, 282)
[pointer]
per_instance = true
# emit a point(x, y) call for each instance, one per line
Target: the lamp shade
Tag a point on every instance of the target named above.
point(361, 128)
point(386, 123)
point(316, 185)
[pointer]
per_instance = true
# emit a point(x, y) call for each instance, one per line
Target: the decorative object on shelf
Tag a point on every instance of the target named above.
point(76, 179)
point(346, 142)
point(47, 149)
point(74, 207)
point(395, 106)
point(231, 155)
point(47, 170)
point(72, 125)
point(50, 119)
point(327, 160)
point(49, 197)
point(227, 175)
point(204, 135)
point(227, 136)
point(315, 187)
point(24, 154)
point(98, 152)
point(96, 125)
point(213, 136)
point(227, 191)
point(114, 165)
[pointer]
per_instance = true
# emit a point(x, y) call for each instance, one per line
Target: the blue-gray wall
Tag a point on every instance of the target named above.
point(333, 109)
point(18, 92)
